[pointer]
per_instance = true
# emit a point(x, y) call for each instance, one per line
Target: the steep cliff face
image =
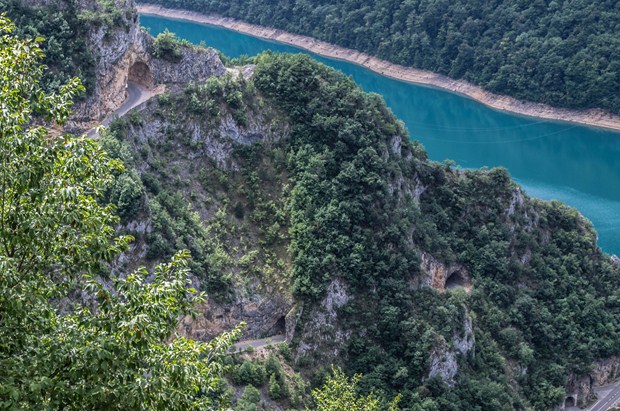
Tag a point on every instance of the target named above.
point(604, 372)
point(201, 157)
point(439, 276)
point(263, 313)
point(123, 52)
point(308, 211)
point(444, 356)
point(207, 142)
point(321, 334)
point(115, 47)
point(196, 64)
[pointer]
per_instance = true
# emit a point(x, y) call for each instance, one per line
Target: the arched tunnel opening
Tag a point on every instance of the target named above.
point(456, 280)
point(140, 73)
point(570, 402)
point(279, 328)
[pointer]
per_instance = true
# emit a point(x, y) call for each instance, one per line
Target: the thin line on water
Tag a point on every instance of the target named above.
point(495, 141)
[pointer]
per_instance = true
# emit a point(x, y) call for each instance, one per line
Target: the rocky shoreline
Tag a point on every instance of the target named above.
point(592, 117)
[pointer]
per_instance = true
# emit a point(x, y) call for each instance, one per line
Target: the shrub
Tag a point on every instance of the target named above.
point(249, 399)
point(167, 46)
point(275, 390)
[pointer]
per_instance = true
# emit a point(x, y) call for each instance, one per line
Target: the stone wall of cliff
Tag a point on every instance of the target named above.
point(119, 50)
point(191, 143)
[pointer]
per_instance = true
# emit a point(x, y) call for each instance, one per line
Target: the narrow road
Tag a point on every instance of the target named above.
point(242, 345)
point(609, 400)
point(136, 95)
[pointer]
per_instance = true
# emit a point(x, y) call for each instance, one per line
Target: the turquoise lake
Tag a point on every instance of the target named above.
point(576, 164)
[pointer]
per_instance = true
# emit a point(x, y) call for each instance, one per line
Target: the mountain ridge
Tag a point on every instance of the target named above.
point(286, 181)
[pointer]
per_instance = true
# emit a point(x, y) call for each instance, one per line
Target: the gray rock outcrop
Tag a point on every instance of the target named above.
point(444, 356)
point(604, 371)
point(124, 53)
point(322, 332)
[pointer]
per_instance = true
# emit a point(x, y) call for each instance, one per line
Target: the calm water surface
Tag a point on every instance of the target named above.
point(552, 160)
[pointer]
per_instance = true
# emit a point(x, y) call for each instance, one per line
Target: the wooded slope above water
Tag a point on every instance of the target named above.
point(562, 54)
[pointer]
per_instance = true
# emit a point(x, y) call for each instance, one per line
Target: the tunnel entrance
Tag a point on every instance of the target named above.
point(140, 73)
point(457, 280)
point(570, 402)
point(279, 328)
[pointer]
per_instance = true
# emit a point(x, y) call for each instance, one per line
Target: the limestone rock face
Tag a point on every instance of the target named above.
point(464, 343)
point(196, 64)
point(579, 388)
point(604, 372)
point(193, 141)
point(124, 53)
point(115, 51)
point(215, 143)
point(291, 319)
point(263, 314)
point(443, 364)
point(444, 358)
point(516, 202)
point(436, 274)
point(323, 330)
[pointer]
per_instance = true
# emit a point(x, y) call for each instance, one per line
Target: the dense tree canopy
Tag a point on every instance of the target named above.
point(117, 348)
point(66, 52)
point(344, 196)
point(563, 53)
point(347, 176)
point(339, 394)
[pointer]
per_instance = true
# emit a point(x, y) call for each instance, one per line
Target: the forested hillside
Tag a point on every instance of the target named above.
point(330, 173)
point(68, 339)
point(563, 53)
point(63, 27)
point(301, 199)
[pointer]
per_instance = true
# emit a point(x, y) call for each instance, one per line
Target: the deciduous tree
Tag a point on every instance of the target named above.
point(118, 348)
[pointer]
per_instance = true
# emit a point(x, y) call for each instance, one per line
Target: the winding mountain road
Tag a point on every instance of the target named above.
point(136, 95)
point(242, 345)
point(608, 401)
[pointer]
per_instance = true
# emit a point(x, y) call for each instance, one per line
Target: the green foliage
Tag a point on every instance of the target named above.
point(273, 366)
point(275, 390)
point(249, 373)
point(127, 193)
point(232, 220)
point(298, 391)
point(560, 53)
point(285, 351)
point(108, 13)
point(129, 338)
point(344, 223)
point(65, 51)
point(210, 97)
point(337, 202)
point(350, 198)
point(339, 394)
point(242, 60)
point(249, 400)
point(120, 349)
point(167, 46)
point(41, 175)
point(175, 224)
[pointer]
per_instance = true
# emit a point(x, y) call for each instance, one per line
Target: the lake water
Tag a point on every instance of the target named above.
point(578, 165)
